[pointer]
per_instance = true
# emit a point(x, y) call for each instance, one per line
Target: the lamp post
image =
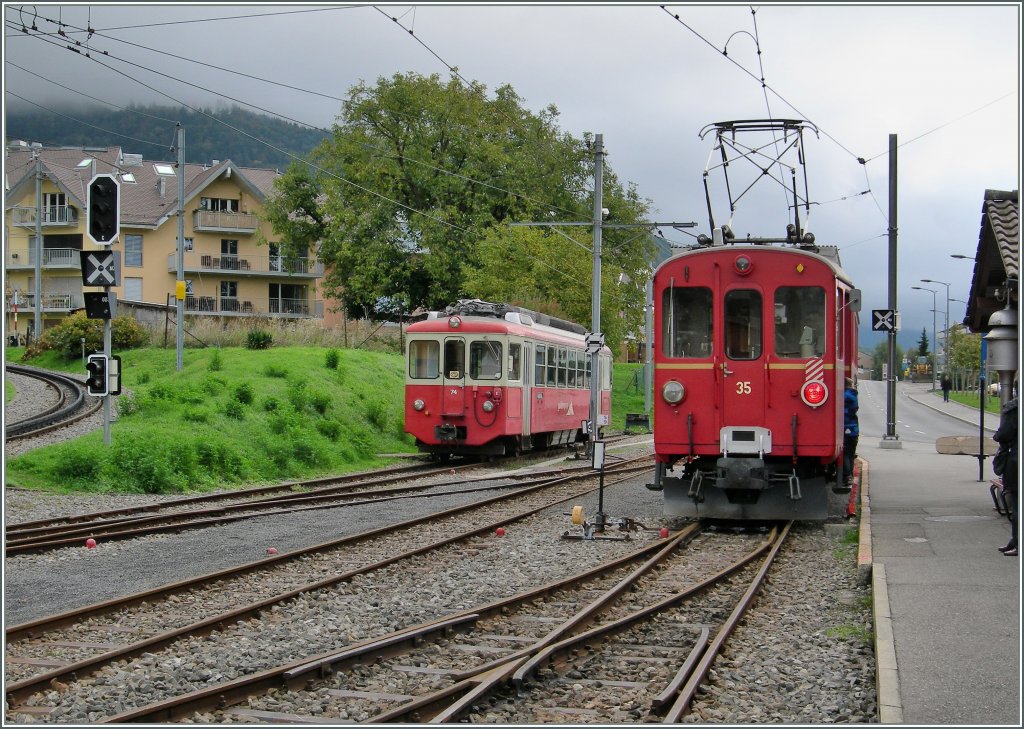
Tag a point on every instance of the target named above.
point(934, 292)
point(945, 341)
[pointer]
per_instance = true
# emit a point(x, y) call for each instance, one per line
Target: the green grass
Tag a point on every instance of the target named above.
point(234, 416)
point(992, 403)
point(627, 397)
point(243, 423)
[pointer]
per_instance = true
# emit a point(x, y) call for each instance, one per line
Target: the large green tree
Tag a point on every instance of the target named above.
point(410, 201)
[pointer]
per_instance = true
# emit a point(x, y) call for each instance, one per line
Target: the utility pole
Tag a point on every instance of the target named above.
point(595, 340)
point(37, 320)
point(179, 289)
point(891, 439)
point(595, 296)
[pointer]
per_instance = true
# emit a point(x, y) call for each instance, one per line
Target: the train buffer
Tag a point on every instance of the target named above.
point(964, 445)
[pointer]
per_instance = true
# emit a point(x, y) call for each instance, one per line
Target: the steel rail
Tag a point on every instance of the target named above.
point(338, 497)
point(298, 673)
point(18, 691)
point(681, 705)
point(57, 416)
point(449, 703)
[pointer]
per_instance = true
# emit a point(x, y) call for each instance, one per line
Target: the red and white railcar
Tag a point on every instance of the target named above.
point(751, 348)
point(491, 379)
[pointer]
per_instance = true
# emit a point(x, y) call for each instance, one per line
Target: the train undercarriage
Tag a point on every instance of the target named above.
point(746, 487)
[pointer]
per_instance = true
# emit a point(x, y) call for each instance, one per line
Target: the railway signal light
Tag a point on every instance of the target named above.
point(96, 382)
point(104, 209)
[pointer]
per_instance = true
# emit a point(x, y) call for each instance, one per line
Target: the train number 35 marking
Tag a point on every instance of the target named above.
point(743, 388)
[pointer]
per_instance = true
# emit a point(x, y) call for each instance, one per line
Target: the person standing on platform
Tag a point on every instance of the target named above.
point(947, 385)
point(851, 434)
point(1006, 437)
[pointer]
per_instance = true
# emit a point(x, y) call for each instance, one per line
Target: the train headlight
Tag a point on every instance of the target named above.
point(418, 405)
point(814, 393)
point(743, 265)
point(488, 406)
point(673, 392)
point(455, 322)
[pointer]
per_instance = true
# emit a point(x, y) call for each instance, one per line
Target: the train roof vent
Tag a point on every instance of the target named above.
point(518, 317)
point(476, 307)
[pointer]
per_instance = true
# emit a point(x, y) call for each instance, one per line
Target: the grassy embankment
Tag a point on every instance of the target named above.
point(235, 416)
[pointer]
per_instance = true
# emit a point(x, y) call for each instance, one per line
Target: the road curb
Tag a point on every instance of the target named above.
point(887, 682)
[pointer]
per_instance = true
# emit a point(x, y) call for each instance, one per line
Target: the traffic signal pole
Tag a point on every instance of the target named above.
point(106, 398)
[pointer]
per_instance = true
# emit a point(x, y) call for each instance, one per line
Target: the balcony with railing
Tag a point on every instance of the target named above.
point(246, 265)
point(210, 221)
point(54, 301)
point(270, 307)
point(53, 258)
point(50, 216)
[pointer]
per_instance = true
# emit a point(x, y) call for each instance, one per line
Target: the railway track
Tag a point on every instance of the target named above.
point(633, 638)
point(69, 404)
point(69, 647)
point(213, 509)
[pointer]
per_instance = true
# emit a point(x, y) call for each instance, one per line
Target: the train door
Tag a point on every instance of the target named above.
point(527, 361)
point(742, 364)
point(453, 399)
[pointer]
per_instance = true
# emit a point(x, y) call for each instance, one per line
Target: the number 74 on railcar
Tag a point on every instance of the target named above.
point(752, 347)
point(485, 379)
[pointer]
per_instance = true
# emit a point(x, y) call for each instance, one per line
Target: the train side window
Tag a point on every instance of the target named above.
point(552, 367)
point(454, 358)
point(539, 374)
point(686, 325)
point(485, 360)
point(514, 357)
point(563, 359)
point(424, 359)
point(799, 322)
point(581, 363)
point(570, 372)
point(743, 324)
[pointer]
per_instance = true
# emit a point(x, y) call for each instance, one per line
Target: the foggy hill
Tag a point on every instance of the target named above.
point(150, 131)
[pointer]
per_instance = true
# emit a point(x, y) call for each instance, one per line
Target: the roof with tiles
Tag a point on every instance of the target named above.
point(1001, 211)
point(147, 201)
point(997, 260)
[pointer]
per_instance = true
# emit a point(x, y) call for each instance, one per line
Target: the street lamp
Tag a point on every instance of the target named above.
point(945, 340)
point(934, 291)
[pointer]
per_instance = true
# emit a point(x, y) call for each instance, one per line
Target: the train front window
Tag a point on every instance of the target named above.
point(454, 358)
point(686, 322)
point(799, 322)
point(424, 359)
point(485, 360)
point(743, 324)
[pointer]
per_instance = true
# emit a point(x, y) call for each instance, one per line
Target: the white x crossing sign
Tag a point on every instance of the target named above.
point(101, 268)
point(884, 320)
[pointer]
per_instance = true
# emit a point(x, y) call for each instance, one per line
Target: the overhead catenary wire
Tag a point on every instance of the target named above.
point(326, 132)
point(295, 157)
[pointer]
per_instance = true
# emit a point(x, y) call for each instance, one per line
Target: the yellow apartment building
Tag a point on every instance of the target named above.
point(227, 272)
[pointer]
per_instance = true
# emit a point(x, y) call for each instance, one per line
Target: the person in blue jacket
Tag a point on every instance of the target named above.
point(851, 433)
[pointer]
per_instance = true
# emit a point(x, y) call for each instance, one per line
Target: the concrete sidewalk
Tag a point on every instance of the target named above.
point(948, 637)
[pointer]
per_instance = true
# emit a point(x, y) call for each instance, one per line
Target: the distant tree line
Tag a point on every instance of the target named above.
point(150, 131)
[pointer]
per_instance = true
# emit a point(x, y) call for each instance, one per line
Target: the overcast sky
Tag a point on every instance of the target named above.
point(944, 79)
